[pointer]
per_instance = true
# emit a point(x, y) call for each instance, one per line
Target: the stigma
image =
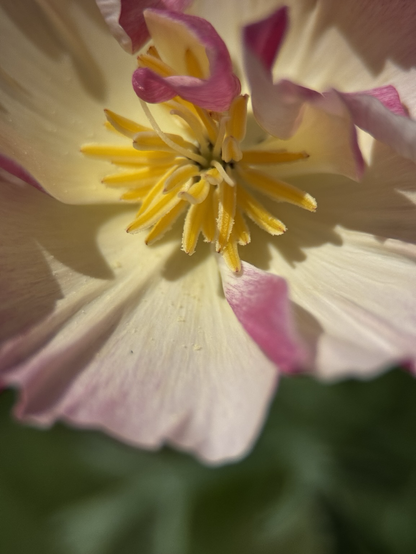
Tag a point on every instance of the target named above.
point(201, 174)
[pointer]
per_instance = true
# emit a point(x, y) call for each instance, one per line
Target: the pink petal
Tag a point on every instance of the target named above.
point(261, 304)
point(384, 118)
point(126, 22)
point(388, 96)
point(104, 332)
point(214, 92)
point(265, 37)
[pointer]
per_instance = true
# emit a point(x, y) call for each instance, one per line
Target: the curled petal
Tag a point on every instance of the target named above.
point(126, 22)
point(279, 108)
point(261, 304)
point(383, 117)
point(175, 35)
point(265, 37)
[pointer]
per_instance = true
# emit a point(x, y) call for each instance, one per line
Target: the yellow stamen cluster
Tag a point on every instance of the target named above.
point(208, 175)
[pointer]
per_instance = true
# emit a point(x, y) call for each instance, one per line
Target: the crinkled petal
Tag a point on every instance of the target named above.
point(104, 332)
point(59, 69)
point(126, 21)
point(174, 34)
point(261, 304)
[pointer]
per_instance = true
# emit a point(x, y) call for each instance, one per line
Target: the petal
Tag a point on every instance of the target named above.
point(371, 112)
point(287, 110)
point(104, 332)
point(265, 37)
point(351, 267)
point(174, 34)
point(126, 21)
point(278, 107)
point(333, 149)
point(13, 168)
point(59, 69)
point(261, 304)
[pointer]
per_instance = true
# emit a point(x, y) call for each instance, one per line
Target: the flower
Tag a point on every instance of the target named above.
point(103, 331)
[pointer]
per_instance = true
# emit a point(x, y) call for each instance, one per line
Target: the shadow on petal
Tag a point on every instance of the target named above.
point(377, 32)
point(32, 222)
point(51, 29)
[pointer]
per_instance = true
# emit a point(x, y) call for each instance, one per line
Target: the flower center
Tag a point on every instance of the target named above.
point(203, 172)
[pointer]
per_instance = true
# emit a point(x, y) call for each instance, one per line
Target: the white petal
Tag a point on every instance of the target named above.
point(60, 68)
point(142, 344)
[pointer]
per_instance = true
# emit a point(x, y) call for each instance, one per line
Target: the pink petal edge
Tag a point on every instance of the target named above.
point(261, 304)
point(126, 21)
point(266, 36)
point(215, 93)
point(13, 168)
point(380, 113)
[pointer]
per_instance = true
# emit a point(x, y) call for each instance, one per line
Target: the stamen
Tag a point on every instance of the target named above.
point(150, 140)
point(156, 191)
point(208, 123)
point(139, 178)
point(194, 219)
point(231, 150)
point(255, 211)
point(165, 223)
point(125, 126)
point(240, 229)
point(231, 256)
point(209, 228)
point(223, 173)
point(220, 136)
point(136, 195)
point(213, 176)
point(152, 61)
point(180, 176)
point(197, 193)
point(226, 213)
point(182, 151)
point(126, 154)
point(195, 126)
point(163, 205)
point(278, 190)
point(236, 125)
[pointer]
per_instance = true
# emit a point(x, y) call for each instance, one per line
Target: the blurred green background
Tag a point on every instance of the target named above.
point(333, 472)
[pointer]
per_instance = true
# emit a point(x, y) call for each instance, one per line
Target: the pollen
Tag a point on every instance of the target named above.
point(202, 174)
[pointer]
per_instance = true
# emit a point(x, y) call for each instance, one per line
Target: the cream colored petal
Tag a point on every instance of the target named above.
point(59, 68)
point(105, 332)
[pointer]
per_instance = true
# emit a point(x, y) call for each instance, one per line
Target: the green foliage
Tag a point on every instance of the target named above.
point(334, 472)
